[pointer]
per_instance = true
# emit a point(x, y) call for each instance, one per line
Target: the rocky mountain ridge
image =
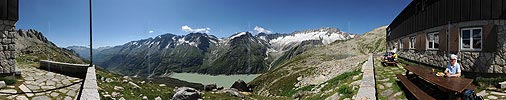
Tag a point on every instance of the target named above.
point(240, 53)
point(32, 46)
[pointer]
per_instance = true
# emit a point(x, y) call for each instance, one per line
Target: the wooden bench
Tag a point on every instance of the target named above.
point(417, 92)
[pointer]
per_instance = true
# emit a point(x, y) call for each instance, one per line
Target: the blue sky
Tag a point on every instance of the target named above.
point(115, 22)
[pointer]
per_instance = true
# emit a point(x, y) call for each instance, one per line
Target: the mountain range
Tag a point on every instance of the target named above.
point(240, 53)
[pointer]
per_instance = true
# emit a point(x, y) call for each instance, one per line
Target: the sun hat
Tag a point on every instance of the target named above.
point(453, 56)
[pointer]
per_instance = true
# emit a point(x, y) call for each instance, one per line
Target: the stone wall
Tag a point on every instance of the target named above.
point(7, 46)
point(471, 61)
point(90, 86)
point(75, 70)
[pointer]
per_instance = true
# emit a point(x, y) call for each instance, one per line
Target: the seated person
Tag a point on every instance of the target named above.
point(395, 56)
point(453, 68)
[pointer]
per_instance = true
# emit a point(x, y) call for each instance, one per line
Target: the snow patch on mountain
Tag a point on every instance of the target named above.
point(237, 35)
point(325, 36)
point(183, 41)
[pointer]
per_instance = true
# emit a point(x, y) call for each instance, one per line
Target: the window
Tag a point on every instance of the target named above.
point(433, 40)
point(470, 38)
point(412, 42)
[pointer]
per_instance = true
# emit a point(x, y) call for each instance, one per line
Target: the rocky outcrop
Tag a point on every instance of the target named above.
point(242, 86)
point(34, 34)
point(33, 46)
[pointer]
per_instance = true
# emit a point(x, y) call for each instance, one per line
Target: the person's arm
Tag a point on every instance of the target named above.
point(446, 70)
point(447, 73)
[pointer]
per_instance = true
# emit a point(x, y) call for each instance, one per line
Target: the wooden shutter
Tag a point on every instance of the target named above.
point(417, 43)
point(423, 40)
point(420, 41)
point(454, 39)
point(489, 38)
point(405, 41)
point(442, 40)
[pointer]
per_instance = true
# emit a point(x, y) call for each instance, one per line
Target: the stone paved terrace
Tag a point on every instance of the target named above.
point(389, 88)
point(38, 84)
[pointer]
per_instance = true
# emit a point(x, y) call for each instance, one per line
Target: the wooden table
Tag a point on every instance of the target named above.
point(456, 84)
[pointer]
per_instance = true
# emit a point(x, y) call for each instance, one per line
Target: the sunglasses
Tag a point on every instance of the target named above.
point(453, 59)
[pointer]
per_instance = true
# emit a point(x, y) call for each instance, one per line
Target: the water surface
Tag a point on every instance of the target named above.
point(220, 80)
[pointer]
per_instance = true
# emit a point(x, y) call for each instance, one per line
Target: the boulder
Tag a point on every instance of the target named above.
point(251, 86)
point(162, 85)
point(118, 88)
point(142, 82)
point(301, 94)
point(134, 86)
point(503, 85)
point(116, 94)
point(3, 84)
point(233, 92)
point(186, 93)
point(241, 86)
point(210, 87)
point(126, 77)
point(158, 98)
point(108, 80)
point(144, 97)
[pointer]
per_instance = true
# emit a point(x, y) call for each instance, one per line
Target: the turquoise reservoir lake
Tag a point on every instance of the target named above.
point(221, 80)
